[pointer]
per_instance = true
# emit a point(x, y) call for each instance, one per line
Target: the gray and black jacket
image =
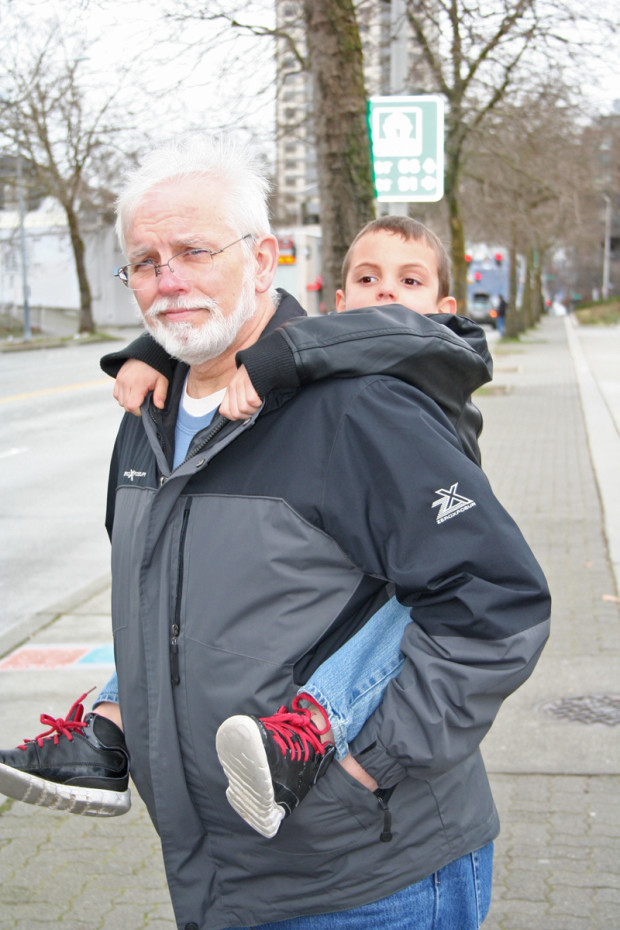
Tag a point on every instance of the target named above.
point(237, 573)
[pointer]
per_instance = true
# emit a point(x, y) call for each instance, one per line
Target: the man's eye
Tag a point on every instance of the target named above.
point(197, 253)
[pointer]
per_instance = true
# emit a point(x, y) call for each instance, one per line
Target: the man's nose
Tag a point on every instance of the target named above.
point(170, 283)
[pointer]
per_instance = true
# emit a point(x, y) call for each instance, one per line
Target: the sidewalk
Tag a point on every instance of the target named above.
point(553, 754)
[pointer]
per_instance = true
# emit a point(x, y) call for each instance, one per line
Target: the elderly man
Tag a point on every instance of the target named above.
point(245, 553)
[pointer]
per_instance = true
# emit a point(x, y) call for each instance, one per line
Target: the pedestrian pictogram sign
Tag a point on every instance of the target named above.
point(406, 141)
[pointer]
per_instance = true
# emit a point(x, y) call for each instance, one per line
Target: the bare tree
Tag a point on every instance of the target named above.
point(521, 184)
point(46, 118)
point(479, 54)
point(534, 182)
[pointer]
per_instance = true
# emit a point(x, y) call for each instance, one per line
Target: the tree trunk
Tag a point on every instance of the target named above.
point(538, 301)
point(513, 322)
point(341, 130)
point(457, 228)
point(457, 254)
point(526, 300)
point(86, 323)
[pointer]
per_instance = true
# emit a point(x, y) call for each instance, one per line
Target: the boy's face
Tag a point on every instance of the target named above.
point(387, 269)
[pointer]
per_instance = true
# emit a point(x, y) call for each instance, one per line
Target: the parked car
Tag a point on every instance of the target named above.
point(481, 308)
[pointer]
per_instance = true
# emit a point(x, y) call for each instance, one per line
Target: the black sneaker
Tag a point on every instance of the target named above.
point(78, 765)
point(271, 763)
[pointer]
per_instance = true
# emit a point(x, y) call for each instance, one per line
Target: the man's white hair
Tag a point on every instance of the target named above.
point(235, 169)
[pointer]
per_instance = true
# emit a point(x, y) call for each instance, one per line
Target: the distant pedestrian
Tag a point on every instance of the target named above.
point(501, 315)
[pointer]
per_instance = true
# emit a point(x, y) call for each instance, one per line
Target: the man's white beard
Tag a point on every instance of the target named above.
point(197, 344)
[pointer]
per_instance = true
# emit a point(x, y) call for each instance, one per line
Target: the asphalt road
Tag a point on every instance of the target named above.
point(57, 426)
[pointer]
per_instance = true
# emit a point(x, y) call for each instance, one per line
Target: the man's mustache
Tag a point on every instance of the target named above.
point(165, 304)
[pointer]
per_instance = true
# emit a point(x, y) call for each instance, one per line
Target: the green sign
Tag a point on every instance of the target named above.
point(406, 141)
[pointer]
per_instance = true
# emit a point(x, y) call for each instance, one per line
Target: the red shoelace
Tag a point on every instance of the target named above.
point(61, 727)
point(294, 730)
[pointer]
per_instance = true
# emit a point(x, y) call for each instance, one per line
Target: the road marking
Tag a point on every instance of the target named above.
point(54, 390)
point(30, 657)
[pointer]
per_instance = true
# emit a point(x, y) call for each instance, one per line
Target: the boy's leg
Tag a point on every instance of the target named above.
point(272, 762)
point(350, 684)
point(80, 764)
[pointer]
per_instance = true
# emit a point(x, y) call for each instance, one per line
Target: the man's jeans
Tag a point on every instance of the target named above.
point(456, 897)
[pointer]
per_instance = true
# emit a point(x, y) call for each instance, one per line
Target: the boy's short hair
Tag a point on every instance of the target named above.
point(407, 228)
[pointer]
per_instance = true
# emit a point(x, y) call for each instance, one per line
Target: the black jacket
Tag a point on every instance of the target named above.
point(234, 574)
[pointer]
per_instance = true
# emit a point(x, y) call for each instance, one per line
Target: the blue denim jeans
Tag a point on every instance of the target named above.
point(350, 684)
point(109, 692)
point(456, 897)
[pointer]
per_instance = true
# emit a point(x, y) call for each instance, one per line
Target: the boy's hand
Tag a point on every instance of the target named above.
point(133, 382)
point(240, 400)
point(354, 769)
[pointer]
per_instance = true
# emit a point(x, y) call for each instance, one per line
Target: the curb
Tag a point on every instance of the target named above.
point(604, 443)
point(30, 626)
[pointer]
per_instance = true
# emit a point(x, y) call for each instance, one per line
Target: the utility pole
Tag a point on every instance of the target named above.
point(24, 254)
point(607, 246)
point(398, 70)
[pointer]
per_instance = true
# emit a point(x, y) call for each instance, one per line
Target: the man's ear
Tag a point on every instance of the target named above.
point(447, 305)
point(266, 255)
point(341, 303)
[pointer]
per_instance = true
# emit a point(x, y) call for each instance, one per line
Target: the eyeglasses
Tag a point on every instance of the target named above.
point(142, 274)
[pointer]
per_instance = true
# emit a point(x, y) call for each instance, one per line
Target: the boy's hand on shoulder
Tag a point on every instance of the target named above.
point(241, 400)
point(133, 382)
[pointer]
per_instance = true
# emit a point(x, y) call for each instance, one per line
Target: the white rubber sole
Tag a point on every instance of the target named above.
point(250, 790)
point(90, 802)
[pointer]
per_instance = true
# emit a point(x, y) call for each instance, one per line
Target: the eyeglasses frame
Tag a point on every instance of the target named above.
point(123, 276)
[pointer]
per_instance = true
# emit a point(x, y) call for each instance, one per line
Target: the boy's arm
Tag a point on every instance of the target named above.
point(444, 356)
point(140, 367)
point(146, 350)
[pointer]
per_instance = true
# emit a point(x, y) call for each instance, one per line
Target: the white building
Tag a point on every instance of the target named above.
point(51, 279)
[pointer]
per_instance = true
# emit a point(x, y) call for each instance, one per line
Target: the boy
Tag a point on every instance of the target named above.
point(272, 762)
point(393, 261)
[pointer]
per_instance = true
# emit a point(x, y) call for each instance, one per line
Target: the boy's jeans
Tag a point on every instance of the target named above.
point(456, 897)
point(108, 693)
point(350, 684)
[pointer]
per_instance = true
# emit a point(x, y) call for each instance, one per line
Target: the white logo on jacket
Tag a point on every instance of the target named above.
point(450, 503)
point(134, 474)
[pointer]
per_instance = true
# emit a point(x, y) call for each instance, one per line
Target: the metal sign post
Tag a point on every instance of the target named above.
point(407, 136)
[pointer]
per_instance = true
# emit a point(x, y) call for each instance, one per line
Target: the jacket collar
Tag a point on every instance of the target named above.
point(288, 308)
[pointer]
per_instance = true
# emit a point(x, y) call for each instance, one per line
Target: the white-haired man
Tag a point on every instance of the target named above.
point(244, 553)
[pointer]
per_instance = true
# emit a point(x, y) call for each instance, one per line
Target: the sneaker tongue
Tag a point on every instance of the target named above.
point(76, 714)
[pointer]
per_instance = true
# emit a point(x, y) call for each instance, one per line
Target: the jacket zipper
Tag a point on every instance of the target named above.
point(214, 429)
point(175, 629)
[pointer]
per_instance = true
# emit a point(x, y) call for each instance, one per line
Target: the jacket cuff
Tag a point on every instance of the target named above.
point(144, 349)
point(270, 364)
